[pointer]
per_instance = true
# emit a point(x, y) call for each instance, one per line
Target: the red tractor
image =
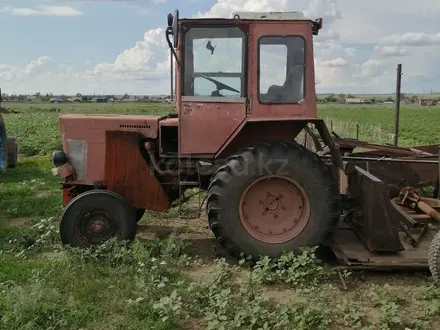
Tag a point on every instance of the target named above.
point(245, 89)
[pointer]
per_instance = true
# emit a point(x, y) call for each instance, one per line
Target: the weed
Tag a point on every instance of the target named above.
point(294, 269)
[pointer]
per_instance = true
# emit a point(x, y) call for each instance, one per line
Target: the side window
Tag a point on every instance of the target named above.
point(214, 62)
point(281, 69)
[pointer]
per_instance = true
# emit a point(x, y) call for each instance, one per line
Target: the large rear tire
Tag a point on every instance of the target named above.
point(273, 197)
point(96, 216)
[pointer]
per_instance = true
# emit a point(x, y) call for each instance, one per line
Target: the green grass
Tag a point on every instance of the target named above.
point(174, 282)
point(417, 125)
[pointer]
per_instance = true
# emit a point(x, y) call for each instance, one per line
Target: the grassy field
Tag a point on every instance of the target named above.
point(174, 276)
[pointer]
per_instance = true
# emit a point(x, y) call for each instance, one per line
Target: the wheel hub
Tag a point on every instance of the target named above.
point(274, 209)
point(97, 227)
point(271, 204)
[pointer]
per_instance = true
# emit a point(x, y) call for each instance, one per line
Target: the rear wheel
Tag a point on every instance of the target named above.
point(275, 196)
point(96, 216)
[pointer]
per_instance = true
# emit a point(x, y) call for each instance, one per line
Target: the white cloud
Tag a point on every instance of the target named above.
point(412, 39)
point(371, 68)
point(356, 50)
point(391, 51)
point(351, 51)
point(43, 11)
point(335, 63)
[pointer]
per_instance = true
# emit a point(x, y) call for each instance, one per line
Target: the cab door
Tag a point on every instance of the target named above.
point(282, 79)
point(213, 87)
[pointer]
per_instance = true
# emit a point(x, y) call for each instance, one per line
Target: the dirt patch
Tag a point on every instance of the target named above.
point(201, 272)
point(19, 222)
point(52, 254)
point(278, 293)
point(194, 324)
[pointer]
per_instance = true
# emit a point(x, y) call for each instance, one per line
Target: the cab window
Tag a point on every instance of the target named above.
point(281, 69)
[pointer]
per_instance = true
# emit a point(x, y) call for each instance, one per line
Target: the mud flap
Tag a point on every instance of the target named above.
point(373, 218)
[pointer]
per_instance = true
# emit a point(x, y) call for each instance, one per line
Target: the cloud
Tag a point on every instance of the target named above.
point(371, 68)
point(391, 51)
point(43, 11)
point(335, 63)
point(412, 39)
point(355, 52)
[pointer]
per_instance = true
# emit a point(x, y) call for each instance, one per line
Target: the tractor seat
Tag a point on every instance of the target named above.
point(173, 115)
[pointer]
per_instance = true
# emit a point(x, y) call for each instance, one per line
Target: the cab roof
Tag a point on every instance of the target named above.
point(244, 16)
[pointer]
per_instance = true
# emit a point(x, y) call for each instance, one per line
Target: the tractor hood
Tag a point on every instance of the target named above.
point(85, 139)
point(91, 126)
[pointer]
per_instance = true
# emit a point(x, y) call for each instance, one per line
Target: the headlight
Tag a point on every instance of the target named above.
point(59, 158)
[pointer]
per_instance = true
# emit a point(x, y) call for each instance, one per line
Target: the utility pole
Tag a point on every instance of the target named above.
point(397, 110)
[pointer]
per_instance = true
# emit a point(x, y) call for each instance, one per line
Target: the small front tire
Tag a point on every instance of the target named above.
point(434, 258)
point(96, 216)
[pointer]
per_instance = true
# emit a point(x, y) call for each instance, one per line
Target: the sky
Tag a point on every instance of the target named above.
point(117, 46)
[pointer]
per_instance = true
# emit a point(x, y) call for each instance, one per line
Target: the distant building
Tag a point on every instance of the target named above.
point(428, 101)
point(56, 99)
point(99, 99)
point(33, 98)
point(353, 100)
point(74, 99)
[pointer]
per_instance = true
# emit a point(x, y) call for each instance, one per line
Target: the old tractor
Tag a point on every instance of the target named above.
point(8, 145)
point(245, 92)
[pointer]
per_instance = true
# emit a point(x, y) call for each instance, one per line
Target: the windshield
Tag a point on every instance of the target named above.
point(214, 62)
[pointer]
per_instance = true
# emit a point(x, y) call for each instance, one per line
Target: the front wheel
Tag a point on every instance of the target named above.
point(434, 258)
point(96, 216)
point(139, 214)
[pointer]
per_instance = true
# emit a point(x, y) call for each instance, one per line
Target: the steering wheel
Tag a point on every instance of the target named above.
point(219, 85)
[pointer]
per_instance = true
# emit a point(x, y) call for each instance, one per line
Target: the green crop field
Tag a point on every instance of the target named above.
point(174, 276)
point(417, 125)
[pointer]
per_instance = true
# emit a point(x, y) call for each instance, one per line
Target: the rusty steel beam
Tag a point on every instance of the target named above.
point(410, 198)
point(390, 160)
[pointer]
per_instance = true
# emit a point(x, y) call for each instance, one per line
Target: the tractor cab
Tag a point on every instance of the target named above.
point(251, 67)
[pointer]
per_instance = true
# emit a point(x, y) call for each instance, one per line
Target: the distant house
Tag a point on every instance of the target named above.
point(33, 98)
point(99, 99)
point(56, 99)
point(340, 100)
point(428, 101)
point(353, 100)
point(131, 98)
point(74, 99)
